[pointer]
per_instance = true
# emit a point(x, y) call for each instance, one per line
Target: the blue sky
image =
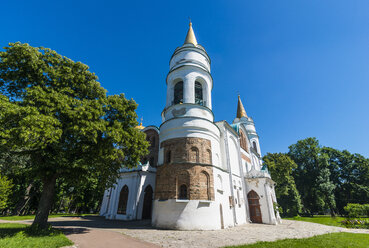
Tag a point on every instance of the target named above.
point(301, 67)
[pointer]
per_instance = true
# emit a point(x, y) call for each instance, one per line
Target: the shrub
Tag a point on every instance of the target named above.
point(357, 210)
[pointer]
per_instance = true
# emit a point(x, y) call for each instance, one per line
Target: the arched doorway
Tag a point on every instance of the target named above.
point(255, 213)
point(147, 204)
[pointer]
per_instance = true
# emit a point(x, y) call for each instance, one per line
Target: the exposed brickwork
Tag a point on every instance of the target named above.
point(190, 165)
point(194, 150)
point(244, 157)
point(153, 137)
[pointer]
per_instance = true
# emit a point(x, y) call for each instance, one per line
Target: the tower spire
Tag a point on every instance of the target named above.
point(241, 112)
point(190, 38)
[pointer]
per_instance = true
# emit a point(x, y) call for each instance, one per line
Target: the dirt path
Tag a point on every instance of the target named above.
point(98, 232)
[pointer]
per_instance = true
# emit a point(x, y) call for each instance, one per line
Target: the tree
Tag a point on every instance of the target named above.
point(280, 167)
point(312, 176)
point(350, 173)
point(5, 190)
point(53, 110)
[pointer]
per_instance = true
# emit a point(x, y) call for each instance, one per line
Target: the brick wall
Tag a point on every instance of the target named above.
point(189, 164)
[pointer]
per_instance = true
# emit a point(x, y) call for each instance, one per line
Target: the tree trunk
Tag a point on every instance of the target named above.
point(23, 202)
point(45, 203)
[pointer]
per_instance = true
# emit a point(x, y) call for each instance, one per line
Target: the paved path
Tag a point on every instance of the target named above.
point(94, 232)
point(89, 232)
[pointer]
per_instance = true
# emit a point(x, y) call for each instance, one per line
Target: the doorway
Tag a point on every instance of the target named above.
point(147, 204)
point(255, 213)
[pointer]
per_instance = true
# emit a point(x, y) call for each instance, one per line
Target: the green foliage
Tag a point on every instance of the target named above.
point(357, 210)
point(356, 223)
point(337, 240)
point(350, 174)
point(312, 176)
point(54, 112)
point(5, 190)
point(280, 167)
point(20, 235)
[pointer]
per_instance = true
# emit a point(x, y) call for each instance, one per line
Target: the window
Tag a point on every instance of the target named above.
point(204, 186)
point(194, 155)
point(178, 93)
point(254, 146)
point(183, 192)
point(198, 94)
point(168, 157)
point(152, 141)
point(123, 200)
point(209, 157)
point(152, 161)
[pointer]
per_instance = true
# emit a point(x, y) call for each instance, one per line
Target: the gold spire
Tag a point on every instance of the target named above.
point(140, 127)
point(190, 38)
point(241, 112)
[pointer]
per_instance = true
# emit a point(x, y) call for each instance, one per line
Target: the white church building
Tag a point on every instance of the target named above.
point(199, 174)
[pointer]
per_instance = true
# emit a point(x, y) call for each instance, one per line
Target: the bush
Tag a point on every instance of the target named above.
point(357, 210)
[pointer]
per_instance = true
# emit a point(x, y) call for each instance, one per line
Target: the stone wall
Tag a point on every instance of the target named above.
point(187, 162)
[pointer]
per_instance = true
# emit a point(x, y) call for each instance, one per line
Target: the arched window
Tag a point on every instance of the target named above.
point(178, 93)
point(168, 157)
point(123, 200)
point(198, 94)
point(254, 146)
point(152, 161)
point(204, 186)
point(183, 192)
point(194, 155)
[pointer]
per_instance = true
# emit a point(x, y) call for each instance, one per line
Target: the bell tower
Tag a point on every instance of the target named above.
point(189, 142)
point(189, 81)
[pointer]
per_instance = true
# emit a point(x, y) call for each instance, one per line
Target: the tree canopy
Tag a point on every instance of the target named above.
point(54, 111)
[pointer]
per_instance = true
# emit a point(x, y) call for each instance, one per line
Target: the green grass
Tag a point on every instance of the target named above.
point(31, 217)
point(19, 235)
point(335, 240)
point(321, 219)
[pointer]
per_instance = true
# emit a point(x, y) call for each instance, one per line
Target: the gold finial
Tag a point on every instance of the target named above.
point(140, 126)
point(241, 112)
point(190, 38)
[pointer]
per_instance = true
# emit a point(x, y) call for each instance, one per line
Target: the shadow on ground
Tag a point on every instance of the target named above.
point(100, 222)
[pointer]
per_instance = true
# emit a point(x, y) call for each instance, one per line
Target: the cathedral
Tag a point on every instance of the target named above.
point(199, 174)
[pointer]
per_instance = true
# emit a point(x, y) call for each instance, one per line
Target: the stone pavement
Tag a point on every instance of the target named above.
point(93, 231)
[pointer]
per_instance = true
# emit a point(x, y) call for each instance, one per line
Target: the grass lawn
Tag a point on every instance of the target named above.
point(336, 240)
point(322, 219)
point(31, 217)
point(17, 235)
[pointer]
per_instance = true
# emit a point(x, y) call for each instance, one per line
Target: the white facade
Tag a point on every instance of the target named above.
point(236, 188)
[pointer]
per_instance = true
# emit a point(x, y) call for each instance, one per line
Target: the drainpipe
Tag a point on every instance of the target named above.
point(245, 189)
point(230, 174)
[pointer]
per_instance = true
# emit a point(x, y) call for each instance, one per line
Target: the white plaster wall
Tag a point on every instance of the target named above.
point(262, 188)
point(188, 110)
point(188, 53)
point(222, 194)
point(233, 154)
point(147, 179)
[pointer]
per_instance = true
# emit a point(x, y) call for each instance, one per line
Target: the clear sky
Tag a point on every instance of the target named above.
point(301, 67)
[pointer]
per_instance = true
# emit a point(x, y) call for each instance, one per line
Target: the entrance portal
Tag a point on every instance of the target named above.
point(255, 213)
point(147, 204)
